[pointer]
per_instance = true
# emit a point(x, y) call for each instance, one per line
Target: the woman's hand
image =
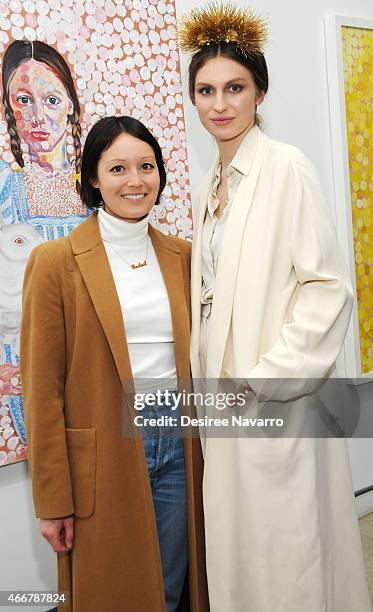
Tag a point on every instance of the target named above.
point(58, 532)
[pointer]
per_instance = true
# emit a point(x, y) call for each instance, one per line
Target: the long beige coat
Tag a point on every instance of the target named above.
point(74, 361)
point(281, 526)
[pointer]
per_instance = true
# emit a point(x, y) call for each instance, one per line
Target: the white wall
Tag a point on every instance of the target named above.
point(26, 561)
point(295, 111)
point(361, 450)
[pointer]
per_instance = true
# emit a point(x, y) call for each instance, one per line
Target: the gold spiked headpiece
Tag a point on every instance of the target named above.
point(222, 22)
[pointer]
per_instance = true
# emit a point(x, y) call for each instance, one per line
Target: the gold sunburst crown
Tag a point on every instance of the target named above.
point(222, 22)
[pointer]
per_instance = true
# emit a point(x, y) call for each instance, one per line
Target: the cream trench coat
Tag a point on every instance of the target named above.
point(281, 526)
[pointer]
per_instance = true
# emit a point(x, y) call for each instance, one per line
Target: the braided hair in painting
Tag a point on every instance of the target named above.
point(20, 52)
point(77, 132)
point(15, 142)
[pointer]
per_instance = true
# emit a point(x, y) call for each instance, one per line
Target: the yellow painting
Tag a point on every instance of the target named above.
point(358, 84)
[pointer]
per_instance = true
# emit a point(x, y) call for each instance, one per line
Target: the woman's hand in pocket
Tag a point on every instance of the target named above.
point(58, 532)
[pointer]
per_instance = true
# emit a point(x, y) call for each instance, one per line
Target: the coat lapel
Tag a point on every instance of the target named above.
point(251, 155)
point(95, 269)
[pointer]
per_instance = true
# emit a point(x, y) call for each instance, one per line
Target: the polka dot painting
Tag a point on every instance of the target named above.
point(358, 80)
point(124, 61)
point(123, 58)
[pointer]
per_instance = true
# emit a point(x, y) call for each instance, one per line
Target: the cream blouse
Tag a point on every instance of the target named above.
point(213, 228)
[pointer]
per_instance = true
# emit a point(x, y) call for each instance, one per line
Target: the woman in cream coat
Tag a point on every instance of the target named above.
point(281, 527)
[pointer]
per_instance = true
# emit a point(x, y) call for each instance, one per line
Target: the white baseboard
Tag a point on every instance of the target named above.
point(364, 503)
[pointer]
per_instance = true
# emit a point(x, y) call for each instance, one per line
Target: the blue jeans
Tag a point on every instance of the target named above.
point(165, 460)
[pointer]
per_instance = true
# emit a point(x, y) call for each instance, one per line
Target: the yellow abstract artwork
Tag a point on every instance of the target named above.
point(358, 84)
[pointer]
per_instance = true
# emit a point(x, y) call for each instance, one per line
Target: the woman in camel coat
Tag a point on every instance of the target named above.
point(75, 371)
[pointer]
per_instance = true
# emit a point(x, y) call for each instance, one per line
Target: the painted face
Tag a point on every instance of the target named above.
point(128, 178)
point(226, 97)
point(40, 105)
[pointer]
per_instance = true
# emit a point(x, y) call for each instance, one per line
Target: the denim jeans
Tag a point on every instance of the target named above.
point(165, 460)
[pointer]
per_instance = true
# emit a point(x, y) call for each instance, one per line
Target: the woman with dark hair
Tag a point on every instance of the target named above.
point(40, 104)
point(271, 299)
point(105, 313)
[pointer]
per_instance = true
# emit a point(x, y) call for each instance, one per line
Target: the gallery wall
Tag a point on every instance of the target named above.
point(295, 111)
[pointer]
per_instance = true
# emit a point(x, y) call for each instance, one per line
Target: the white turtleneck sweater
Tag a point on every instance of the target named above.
point(144, 301)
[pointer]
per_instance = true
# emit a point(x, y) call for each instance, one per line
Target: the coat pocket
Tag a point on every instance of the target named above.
point(81, 448)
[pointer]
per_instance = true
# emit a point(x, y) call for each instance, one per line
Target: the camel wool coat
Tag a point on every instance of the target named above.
point(280, 521)
point(74, 364)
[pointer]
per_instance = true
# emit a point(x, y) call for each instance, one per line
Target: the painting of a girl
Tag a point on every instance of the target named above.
point(39, 192)
point(40, 104)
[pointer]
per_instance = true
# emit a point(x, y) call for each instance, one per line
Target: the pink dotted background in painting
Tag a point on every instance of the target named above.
point(124, 60)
